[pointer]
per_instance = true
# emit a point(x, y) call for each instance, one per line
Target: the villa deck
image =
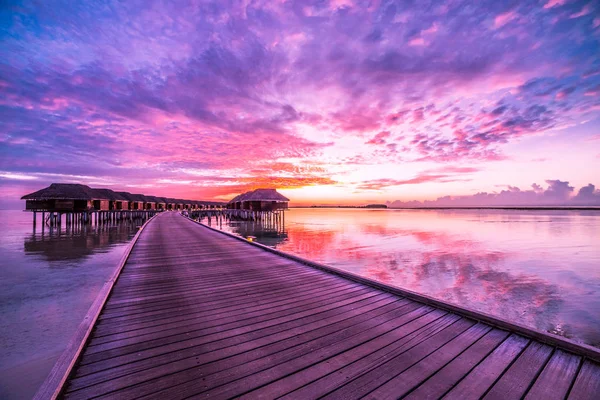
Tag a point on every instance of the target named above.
point(195, 313)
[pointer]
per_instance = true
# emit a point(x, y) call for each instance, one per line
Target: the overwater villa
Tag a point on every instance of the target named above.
point(259, 200)
point(74, 197)
point(136, 201)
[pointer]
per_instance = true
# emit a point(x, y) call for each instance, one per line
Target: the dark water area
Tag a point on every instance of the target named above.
point(537, 268)
point(48, 281)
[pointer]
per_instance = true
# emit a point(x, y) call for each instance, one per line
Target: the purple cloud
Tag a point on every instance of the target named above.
point(558, 193)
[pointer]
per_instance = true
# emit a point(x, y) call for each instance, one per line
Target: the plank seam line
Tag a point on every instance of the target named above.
point(56, 379)
point(455, 384)
point(158, 301)
point(425, 356)
point(418, 385)
point(363, 331)
point(286, 297)
point(537, 375)
point(183, 332)
point(435, 323)
point(237, 309)
point(232, 302)
point(228, 330)
point(382, 299)
point(571, 346)
point(299, 344)
point(572, 385)
point(375, 296)
point(345, 351)
point(505, 370)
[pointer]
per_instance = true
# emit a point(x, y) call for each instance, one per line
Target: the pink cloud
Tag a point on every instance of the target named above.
point(558, 193)
point(418, 41)
point(380, 138)
point(584, 11)
point(554, 3)
point(440, 175)
point(504, 19)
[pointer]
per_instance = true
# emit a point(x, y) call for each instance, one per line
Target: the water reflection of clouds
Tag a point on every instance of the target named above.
point(453, 267)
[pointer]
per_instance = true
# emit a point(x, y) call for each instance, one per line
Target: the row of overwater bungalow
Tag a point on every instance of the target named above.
point(70, 197)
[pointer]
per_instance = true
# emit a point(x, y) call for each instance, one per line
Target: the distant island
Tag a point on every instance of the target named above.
point(523, 208)
point(331, 206)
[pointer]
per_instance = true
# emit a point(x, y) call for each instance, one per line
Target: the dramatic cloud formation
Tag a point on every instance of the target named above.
point(206, 99)
point(558, 193)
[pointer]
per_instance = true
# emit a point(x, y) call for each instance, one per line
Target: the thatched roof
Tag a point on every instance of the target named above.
point(145, 199)
point(75, 191)
point(132, 196)
point(108, 194)
point(64, 191)
point(260, 195)
point(153, 199)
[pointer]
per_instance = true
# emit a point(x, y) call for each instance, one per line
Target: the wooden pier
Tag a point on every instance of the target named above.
point(275, 217)
point(197, 313)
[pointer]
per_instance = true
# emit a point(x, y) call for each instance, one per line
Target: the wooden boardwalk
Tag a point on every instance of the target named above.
point(199, 314)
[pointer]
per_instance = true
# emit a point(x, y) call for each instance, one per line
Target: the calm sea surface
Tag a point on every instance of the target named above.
point(48, 281)
point(539, 268)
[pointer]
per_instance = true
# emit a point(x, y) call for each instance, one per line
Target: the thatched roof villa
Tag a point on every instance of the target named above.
point(259, 200)
point(136, 201)
point(111, 200)
point(72, 197)
point(62, 197)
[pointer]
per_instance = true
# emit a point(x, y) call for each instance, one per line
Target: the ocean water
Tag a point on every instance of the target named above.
point(48, 281)
point(537, 268)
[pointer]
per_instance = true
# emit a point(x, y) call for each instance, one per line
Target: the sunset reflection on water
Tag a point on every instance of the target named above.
point(537, 268)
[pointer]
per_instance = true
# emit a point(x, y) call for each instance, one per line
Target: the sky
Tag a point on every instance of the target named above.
point(332, 102)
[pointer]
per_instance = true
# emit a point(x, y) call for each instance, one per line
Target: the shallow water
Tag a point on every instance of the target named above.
point(537, 268)
point(48, 281)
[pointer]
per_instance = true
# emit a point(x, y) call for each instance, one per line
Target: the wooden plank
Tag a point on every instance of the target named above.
point(515, 382)
point(190, 369)
point(258, 295)
point(223, 328)
point(260, 371)
point(190, 320)
point(440, 383)
point(200, 324)
point(120, 325)
point(344, 367)
point(404, 382)
point(587, 383)
point(269, 340)
point(236, 309)
point(483, 376)
point(556, 377)
point(196, 346)
point(397, 362)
